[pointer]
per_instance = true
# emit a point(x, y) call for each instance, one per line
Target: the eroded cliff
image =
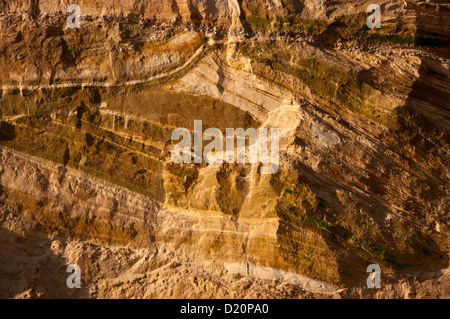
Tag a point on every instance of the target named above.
point(87, 178)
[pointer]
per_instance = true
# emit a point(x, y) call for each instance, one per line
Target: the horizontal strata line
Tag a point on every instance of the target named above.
point(106, 84)
point(103, 139)
point(213, 214)
point(136, 118)
point(210, 230)
point(242, 234)
point(140, 138)
point(269, 273)
point(124, 134)
point(54, 167)
point(152, 171)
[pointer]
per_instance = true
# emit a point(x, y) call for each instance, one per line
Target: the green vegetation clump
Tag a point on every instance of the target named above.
point(398, 37)
point(397, 245)
point(286, 24)
point(366, 246)
point(299, 206)
point(300, 200)
point(343, 88)
point(385, 38)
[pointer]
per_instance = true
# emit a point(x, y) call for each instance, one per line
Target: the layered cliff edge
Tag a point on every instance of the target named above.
point(86, 175)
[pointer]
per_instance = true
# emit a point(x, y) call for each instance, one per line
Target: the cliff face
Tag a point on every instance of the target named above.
point(86, 173)
point(227, 13)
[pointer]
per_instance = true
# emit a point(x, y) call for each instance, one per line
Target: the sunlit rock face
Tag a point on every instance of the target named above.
point(87, 176)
